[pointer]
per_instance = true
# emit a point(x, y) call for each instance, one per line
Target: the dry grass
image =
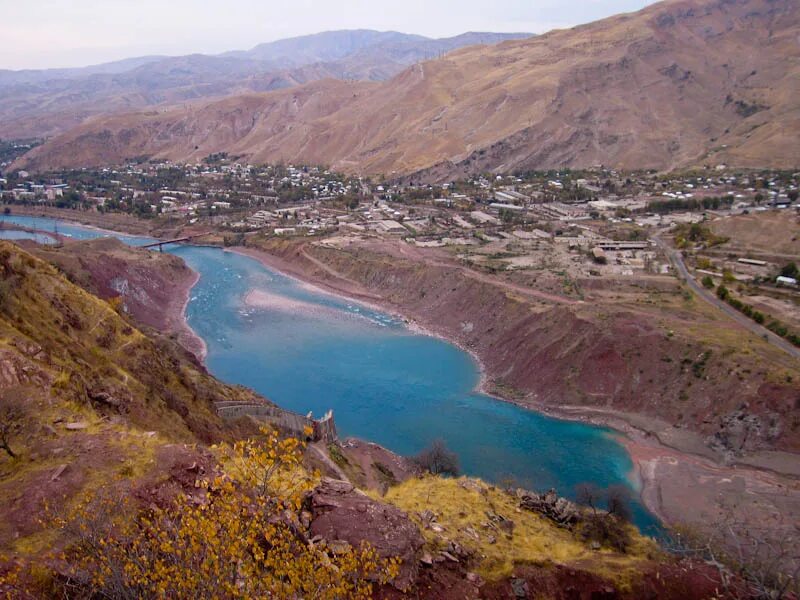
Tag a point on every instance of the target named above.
point(462, 507)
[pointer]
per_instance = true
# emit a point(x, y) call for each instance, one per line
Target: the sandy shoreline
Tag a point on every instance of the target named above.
point(187, 336)
point(368, 300)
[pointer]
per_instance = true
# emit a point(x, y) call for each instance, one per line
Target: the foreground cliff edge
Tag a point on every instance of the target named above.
point(108, 427)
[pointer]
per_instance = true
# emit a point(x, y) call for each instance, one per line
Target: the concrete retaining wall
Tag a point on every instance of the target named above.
point(323, 429)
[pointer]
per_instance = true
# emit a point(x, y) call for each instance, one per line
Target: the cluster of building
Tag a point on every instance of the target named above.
point(589, 213)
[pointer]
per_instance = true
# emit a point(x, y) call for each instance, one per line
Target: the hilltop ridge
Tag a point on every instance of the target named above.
point(678, 83)
point(45, 102)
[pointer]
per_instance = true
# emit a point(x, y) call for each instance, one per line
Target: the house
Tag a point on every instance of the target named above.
point(599, 255)
point(502, 206)
point(752, 261)
point(482, 217)
point(391, 227)
point(511, 197)
point(260, 219)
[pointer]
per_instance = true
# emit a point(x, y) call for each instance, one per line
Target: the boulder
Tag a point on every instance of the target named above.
point(103, 397)
point(341, 513)
point(550, 505)
point(77, 426)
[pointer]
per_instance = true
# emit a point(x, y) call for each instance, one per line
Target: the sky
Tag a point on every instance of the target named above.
point(37, 34)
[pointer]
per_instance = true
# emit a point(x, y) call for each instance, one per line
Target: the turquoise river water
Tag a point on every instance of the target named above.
point(311, 351)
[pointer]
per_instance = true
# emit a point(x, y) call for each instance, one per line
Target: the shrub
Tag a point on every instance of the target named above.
point(610, 526)
point(239, 537)
point(438, 460)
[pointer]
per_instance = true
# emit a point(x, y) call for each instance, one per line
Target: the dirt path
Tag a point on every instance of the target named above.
point(403, 250)
point(322, 455)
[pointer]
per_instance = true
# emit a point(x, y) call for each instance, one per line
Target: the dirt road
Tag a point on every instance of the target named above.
point(677, 260)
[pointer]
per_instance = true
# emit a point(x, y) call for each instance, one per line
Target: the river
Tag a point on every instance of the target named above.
point(308, 350)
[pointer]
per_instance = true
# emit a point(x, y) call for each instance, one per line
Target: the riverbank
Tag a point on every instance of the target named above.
point(680, 477)
point(676, 468)
point(116, 222)
point(155, 288)
point(186, 335)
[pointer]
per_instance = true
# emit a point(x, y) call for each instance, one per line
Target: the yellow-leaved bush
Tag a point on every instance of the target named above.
point(240, 536)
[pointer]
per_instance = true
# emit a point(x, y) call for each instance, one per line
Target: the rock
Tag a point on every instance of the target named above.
point(596, 545)
point(741, 432)
point(426, 559)
point(340, 512)
point(448, 556)
point(457, 550)
point(58, 472)
point(427, 517)
point(502, 522)
point(472, 485)
point(519, 587)
point(305, 519)
point(77, 426)
point(101, 397)
point(339, 546)
point(475, 579)
point(558, 510)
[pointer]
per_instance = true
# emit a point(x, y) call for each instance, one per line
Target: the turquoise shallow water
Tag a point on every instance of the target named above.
point(310, 351)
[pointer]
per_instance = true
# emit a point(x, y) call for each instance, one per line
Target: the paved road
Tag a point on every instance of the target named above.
point(677, 260)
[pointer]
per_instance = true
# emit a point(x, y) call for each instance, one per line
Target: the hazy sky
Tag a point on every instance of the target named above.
point(67, 33)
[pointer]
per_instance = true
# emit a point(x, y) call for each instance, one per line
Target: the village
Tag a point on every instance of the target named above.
point(565, 225)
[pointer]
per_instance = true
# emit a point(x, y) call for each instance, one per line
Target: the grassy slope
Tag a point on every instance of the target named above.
point(58, 345)
point(462, 507)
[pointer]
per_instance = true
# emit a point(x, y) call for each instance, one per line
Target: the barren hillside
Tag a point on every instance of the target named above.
point(47, 102)
point(681, 82)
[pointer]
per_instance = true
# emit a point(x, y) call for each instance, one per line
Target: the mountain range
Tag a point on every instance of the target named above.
point(36, 103)
point(679, 83)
